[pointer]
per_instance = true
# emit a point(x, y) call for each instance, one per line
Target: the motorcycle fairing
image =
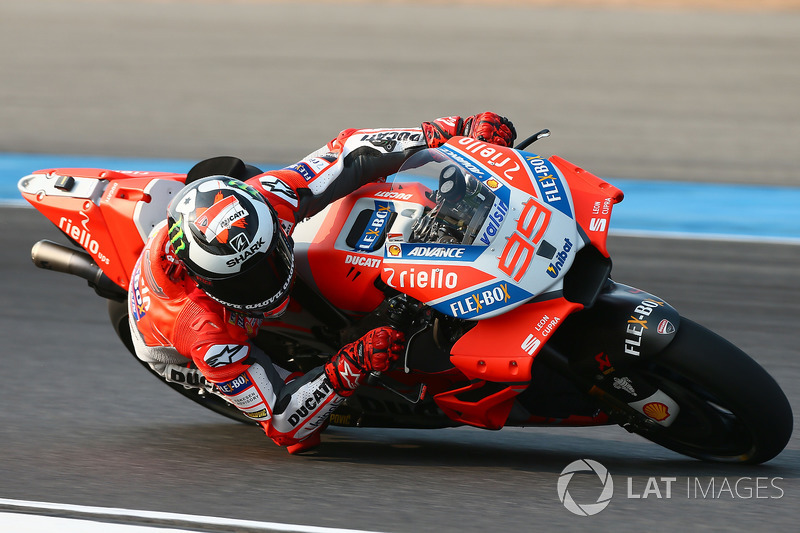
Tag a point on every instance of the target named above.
point(489, 411)
point(421, 279)
point(527, 172)
point(594, 199)
point(502, 349)
point(108, 213)
point(523, 245)
point(337, 252)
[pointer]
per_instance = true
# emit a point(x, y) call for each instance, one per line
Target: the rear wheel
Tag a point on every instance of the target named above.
point(732, 410)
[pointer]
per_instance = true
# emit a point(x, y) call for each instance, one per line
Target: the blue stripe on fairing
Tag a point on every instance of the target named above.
point(650, 207)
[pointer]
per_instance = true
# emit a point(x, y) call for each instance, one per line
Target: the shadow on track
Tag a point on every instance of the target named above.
point(534, 450)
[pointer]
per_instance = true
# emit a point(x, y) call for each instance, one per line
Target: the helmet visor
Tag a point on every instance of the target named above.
point(261, 288)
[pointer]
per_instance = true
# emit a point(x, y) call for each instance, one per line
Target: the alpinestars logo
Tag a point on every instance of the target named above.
point(586, 509)
point(279, 188)
point(349, 377)
point(225, 354)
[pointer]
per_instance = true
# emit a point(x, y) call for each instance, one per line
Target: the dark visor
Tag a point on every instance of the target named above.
point(263, 286)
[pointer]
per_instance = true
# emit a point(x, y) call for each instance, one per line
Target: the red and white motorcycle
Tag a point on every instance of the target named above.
point(494, 262)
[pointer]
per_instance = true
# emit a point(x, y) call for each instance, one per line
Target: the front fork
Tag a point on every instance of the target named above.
point(602, 347)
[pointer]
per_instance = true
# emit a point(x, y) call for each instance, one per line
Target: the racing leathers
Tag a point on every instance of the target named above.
point(191, 339)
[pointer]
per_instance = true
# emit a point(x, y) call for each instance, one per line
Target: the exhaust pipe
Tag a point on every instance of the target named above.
point(59, 258)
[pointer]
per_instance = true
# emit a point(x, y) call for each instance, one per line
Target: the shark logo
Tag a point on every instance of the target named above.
point(225, 354)
point(240, 242)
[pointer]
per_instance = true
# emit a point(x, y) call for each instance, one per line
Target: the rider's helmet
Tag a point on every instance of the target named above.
point(230, 241)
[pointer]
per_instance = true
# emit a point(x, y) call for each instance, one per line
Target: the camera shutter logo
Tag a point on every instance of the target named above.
point(585, 465)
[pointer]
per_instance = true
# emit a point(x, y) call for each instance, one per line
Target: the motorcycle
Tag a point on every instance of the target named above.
point(494, 262)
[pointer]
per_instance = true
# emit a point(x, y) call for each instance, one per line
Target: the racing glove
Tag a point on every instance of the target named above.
point(487, 127)
point(376, 350)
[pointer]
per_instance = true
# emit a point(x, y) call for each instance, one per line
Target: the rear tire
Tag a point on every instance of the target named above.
point(732, 410)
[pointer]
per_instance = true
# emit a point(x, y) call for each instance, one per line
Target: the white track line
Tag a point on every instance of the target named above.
point(48, 517)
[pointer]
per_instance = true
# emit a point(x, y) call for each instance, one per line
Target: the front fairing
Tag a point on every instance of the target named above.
point(501, 233)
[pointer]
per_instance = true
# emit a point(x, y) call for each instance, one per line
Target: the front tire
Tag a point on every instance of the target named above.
point(732, 410)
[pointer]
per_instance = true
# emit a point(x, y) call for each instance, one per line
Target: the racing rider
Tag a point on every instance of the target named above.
point(223, 263)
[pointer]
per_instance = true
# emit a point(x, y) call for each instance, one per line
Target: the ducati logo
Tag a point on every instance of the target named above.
point(215, 221)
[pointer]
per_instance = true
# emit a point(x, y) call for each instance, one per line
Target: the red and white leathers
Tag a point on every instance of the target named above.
point(175, 324)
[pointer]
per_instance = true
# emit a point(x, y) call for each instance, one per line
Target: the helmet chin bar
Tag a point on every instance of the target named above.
point(274, 311)
point(232, 245)
point(278, 311)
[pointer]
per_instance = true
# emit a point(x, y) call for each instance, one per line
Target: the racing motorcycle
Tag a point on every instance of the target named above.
point(494, 262)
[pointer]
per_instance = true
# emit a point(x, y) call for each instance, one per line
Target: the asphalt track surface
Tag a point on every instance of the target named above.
point(81, 423)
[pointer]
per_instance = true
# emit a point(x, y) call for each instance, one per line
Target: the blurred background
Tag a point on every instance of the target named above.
point(641, 91)
point(662, 89)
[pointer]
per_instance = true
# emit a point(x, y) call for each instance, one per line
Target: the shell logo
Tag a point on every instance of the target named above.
point(394, 250)
point(656, 410)
point(493, 184)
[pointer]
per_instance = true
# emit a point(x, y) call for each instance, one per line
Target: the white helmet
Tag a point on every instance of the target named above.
point(230, 241)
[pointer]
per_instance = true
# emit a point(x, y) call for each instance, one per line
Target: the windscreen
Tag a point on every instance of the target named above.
point(462, 202)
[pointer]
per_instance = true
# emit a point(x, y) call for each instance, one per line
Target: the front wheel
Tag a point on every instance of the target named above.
point(732, 410)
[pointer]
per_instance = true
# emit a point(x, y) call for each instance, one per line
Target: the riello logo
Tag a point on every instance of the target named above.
point(81, 234)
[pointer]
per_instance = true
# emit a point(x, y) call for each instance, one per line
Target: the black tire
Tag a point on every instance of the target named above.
point(207, 400)
point(118, 314)
point(732, 410)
